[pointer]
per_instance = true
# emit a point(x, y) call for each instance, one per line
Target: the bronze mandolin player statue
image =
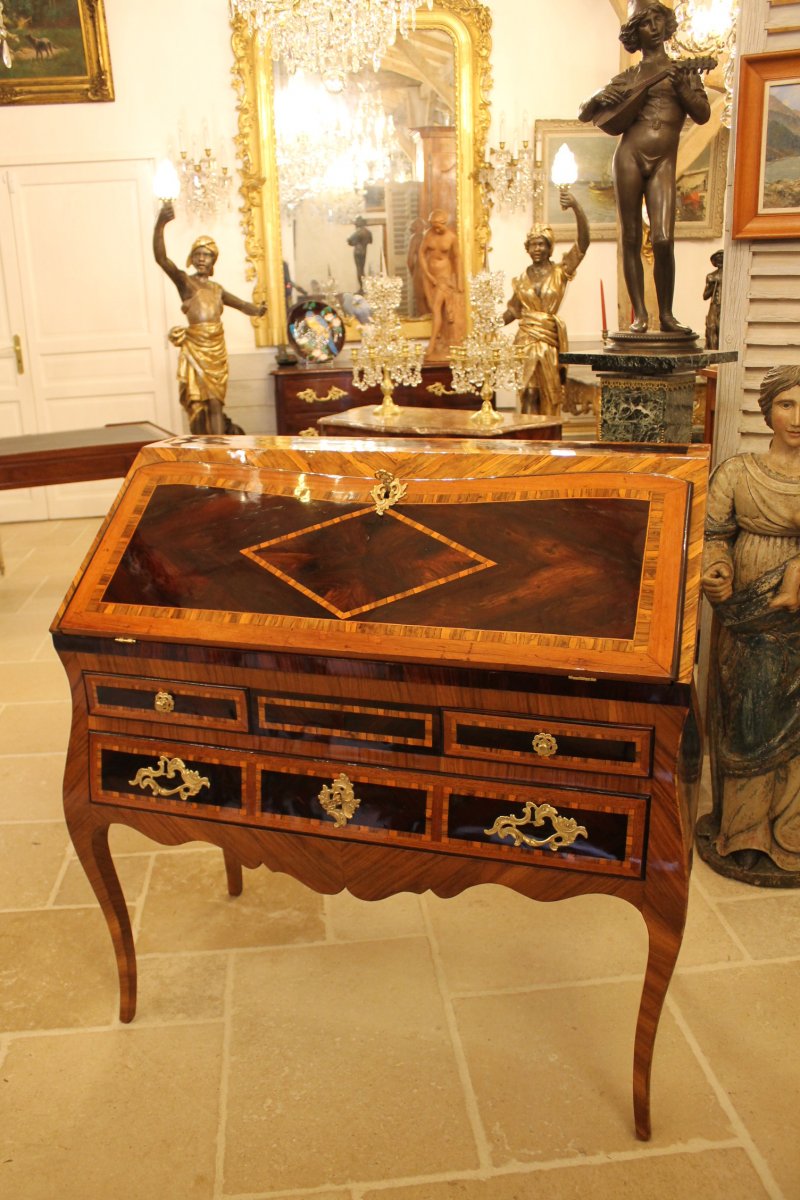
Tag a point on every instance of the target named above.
point(648, 104)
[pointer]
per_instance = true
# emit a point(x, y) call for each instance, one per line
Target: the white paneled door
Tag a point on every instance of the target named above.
point(85, 298)
point(17, 414)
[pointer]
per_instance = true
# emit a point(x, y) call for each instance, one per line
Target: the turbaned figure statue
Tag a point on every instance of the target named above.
point(203, 357)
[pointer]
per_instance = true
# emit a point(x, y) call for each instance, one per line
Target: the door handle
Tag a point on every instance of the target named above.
point(16, 342)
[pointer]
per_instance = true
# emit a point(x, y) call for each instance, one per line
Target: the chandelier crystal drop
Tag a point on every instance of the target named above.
point(329, 37)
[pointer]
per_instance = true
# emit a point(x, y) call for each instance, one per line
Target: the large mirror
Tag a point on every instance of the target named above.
point(339, 177)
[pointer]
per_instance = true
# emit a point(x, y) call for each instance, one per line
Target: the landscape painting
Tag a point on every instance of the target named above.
point(766, 194)
point(781, 174)
point(54, 51)
point(700, 190)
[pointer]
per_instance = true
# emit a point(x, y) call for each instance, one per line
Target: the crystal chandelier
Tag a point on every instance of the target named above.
point(708, 27)
point(509, 177)
point(328, 37)
point(329, 148)
point(385, 357)
point(486, 360)
point(199, 183)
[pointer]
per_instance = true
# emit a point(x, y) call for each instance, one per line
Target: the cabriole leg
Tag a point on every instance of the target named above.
point(665, 943)
point(91, 847)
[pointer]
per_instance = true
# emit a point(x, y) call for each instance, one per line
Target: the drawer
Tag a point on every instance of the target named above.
point(166, 777)
point(308, 718)
point(553, 827)
point(550, 742)
point(345, 799)
point(167, 701)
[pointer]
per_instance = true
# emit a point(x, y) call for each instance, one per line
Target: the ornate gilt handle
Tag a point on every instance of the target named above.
point(439, 389)
point(163, 702)
point(545, 745)
point(339, 800)
point(566, 829)
point(169, 768)
point(311, 397)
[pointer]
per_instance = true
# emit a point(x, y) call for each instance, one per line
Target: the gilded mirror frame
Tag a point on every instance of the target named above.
point(468, 23)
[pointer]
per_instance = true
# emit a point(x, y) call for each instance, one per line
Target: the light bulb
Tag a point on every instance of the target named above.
point(166, 184)
point(564, 171)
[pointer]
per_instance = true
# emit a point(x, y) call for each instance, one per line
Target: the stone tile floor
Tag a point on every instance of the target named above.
point(290, 1045)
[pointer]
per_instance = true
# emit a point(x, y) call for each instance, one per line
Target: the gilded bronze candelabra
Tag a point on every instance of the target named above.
point(486, 360)
point(385, 357)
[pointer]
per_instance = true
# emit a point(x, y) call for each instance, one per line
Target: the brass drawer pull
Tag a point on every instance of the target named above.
point(566, 829)
point(439, 389)
point(163, 702)
point(311, 397)
point(168, 768)
point(545, 745)
point(339, 800)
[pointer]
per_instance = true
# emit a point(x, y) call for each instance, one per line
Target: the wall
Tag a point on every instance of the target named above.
point(171, 64)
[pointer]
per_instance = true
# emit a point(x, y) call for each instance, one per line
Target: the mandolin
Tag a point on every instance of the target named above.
point(619, 117)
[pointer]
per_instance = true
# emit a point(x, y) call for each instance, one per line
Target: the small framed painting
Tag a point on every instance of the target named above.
point(700, 186)
point(54, 53)
point(766, 180)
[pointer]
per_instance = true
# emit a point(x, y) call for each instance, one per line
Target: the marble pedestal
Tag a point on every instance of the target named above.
point(646, 395)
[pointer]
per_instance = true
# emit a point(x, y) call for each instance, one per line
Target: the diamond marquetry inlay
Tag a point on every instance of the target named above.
point(361, 561)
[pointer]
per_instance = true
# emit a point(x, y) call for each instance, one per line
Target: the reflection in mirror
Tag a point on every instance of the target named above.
point(339, 181)
point(361, 169)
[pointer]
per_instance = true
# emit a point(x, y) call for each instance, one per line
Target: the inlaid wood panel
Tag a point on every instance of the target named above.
point(509, 556)
point(168, 701)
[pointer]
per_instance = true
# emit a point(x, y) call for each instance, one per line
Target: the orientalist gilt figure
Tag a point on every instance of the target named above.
point(751, 576)
point(648, 104)
point(203, 358)
point(538, 294)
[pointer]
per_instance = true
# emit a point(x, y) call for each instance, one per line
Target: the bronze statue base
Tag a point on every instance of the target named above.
point(626, 341)
point(763, 874)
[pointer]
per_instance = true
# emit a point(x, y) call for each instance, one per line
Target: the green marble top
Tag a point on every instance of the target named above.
point(648, 362)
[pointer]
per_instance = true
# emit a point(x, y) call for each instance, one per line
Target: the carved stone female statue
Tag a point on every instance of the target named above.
point(751, 576)
point(440, 266)
point(537, 297)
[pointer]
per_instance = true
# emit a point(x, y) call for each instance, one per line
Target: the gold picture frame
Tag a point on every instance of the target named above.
point(758, 190)
point(467, 23)
point(64, 61)
point(701, 186)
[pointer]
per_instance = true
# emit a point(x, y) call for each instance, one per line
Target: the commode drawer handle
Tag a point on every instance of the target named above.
point(312, 397)
point(565, 829)
point(545, 745)
point(169, 768)
point(163, 702)
point(339, 800)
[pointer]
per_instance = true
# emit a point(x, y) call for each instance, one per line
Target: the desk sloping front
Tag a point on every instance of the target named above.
point(397, 665)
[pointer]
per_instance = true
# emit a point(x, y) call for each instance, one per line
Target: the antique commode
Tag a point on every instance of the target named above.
point(397, 666)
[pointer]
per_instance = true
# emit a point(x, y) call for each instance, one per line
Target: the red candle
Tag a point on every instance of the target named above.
point(604, 325)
